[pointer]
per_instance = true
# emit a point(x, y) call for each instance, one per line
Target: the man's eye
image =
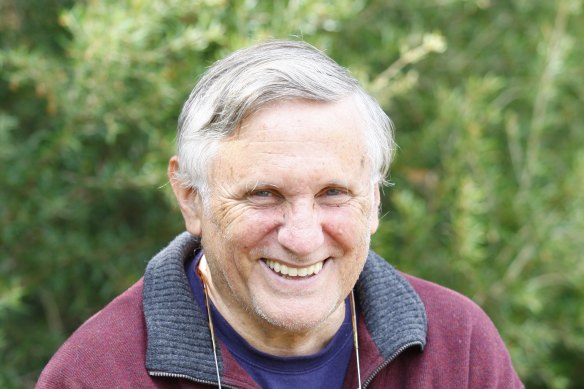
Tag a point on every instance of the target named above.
point(262, 193)
point(333, 192)
point(264, 197)
point(334, 196)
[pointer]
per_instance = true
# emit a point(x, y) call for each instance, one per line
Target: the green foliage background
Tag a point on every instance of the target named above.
point(487, 97)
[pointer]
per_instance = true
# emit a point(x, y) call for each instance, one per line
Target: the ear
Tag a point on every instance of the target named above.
point(376, 202)
point(189, 199)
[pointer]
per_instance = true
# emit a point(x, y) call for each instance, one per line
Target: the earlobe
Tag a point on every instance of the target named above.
point(189, 200)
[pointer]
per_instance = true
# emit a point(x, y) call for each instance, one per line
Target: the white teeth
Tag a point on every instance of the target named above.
point(318, 267)
point(294, 271)
point(284, 269)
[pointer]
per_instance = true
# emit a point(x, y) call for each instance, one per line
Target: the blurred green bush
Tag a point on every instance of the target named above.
point(488, 198)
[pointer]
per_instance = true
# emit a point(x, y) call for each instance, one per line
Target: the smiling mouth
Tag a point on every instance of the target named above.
point(288, 271)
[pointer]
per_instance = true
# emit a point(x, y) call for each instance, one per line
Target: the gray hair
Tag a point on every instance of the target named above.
point(237, 86)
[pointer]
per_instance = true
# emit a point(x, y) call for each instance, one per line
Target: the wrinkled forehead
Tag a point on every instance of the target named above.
point(322, 137)
point(304, 120)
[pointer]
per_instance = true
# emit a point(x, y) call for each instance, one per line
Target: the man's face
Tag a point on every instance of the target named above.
point(289, 213)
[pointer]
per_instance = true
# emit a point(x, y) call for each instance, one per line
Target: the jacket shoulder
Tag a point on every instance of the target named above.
point(445, 305)
point(462, 341)
point(111, 342)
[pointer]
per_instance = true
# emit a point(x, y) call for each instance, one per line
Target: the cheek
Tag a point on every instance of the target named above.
point(251, 228)
point(346, 226)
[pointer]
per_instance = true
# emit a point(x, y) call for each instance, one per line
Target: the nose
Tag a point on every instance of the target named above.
point(301, 231)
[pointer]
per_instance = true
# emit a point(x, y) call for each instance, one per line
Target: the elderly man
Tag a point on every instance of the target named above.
point(280, 158)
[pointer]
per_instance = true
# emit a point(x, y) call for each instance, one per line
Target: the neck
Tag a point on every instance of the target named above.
point(263, 335)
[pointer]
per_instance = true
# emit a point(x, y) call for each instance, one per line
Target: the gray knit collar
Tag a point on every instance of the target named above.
point(179, 343)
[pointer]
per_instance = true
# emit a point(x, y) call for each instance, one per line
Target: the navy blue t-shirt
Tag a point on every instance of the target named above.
point(325, 369)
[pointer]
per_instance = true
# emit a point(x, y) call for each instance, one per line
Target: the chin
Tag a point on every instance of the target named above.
point(300, 320)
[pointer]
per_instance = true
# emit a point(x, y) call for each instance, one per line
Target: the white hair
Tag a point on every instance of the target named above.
point(237, 86)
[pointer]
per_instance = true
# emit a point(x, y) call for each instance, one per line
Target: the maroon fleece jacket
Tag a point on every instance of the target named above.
point(463, 350)
point(412, 334)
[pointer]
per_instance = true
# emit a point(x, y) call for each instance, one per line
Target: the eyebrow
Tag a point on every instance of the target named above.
point(249, 187)
point(254, 185)
point(344, 184)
